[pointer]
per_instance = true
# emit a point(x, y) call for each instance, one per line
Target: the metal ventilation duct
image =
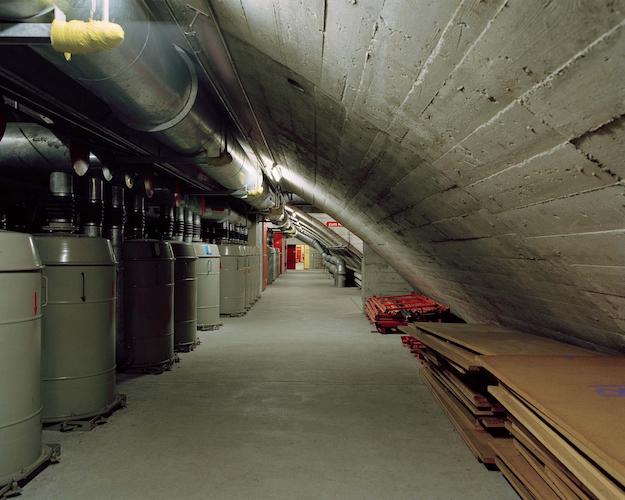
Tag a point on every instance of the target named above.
point(28, 146)
point(153, 87)
point(23, 10)
point(334, 264)
point(316, 226)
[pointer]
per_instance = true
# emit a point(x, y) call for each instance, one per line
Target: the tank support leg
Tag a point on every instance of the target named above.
point(89, 423)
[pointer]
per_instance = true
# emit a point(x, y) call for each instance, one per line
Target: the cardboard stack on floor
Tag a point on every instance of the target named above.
point(549, 415)
point(567, 417)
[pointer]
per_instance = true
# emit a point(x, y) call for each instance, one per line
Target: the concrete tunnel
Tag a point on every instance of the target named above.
point(220, 220)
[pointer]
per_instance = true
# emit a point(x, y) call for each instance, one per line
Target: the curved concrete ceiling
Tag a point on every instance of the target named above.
point(477, 145)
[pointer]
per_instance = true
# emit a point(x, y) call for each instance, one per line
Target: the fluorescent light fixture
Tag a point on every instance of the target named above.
point(106, 173)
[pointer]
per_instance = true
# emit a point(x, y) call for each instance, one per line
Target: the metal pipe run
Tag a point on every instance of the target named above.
point(153, 87)
point(27, 146)
point(334, 264)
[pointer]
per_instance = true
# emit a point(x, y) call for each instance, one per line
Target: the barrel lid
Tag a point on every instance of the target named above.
point(74, 249)
point(206, 250)
point(18, 252)
point(183, 250)
point(147, 250)
point(225, 250)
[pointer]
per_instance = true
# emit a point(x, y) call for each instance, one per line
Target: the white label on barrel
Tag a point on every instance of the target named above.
point(157, 250)
point(207, 250)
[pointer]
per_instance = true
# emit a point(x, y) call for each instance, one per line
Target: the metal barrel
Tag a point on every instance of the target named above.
point(251, 264)
point(208, 272)
point(244, 264)
point(78, 333)
point(20, 355)
point(254, 273)
point(185, 295)
point(231, 281)
point(148, 303)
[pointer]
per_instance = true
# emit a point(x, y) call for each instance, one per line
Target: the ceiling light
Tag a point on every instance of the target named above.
point(80, 167)
point(106, 173)
point(148, 185)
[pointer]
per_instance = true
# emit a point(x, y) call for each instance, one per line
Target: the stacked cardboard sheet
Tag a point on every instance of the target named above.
point(485, 378)
point(567, 419)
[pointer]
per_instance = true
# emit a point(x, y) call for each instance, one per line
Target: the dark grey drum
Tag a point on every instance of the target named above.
point(148, 305)
point(78, 333)
point(185, 296)
point(20, 356)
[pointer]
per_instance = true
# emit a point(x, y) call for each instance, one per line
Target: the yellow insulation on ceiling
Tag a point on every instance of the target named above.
point(85, 37)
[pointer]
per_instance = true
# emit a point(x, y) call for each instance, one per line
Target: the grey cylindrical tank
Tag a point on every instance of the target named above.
point(253, 274)
point(20, 355)
point(244, 264)
point(207, 285)
point(257, 273)
point(185, 296)
point(231, 281)
point(78, 332)
point(148, 303)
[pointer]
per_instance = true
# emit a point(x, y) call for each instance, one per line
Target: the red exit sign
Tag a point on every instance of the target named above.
point(333, 223)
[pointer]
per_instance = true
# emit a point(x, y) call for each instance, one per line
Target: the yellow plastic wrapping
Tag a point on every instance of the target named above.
point(256, 192)
point(85, 37)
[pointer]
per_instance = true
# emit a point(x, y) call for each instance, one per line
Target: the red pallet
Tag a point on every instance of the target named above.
point(388, 312)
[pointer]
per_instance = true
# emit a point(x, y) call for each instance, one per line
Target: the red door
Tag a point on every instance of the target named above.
point(290, 256)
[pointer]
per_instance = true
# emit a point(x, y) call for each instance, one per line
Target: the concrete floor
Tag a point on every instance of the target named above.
point(296, 400)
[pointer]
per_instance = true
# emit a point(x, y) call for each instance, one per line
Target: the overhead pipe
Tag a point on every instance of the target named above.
point(28, 146)
point(322, 237)
point(224, 214)
point(335, 264)
point(153, 87)
point(310, 221)
point(22, 10)
point(352, 256)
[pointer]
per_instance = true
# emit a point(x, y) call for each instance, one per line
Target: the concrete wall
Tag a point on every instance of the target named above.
point(379, 278)
point(476, 144)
